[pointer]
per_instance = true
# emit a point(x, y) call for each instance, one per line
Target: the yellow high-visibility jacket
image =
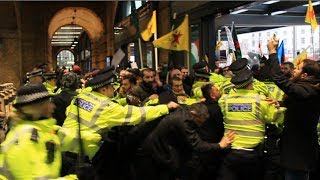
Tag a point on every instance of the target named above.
point(31, 151)
point(97, 115)
point(274, 91)
point(49, 87)
point(246, 112)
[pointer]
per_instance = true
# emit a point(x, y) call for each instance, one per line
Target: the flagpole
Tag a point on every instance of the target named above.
point(156, 51)
point(312, 41)
point(188, 52)
point(140, 52)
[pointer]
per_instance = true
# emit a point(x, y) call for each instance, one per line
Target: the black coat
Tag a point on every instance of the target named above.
point(212, 129)
point(62, 101)
point(299, 148)
point(174, 138)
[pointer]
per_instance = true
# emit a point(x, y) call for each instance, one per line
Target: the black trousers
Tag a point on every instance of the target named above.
point(241, 165)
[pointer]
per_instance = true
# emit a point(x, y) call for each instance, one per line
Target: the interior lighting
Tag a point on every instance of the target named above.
point(277, 13)
point(313, 4)
point(239, 11)
point(271, 2)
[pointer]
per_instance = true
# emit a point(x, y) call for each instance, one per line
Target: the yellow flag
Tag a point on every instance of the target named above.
point(311, 17)
point(151, 28)
point(176, 40)
point(302, 56)
point(218, 46)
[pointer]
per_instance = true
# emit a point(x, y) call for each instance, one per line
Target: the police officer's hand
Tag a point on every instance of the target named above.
point(227, 140)
point(273, 101)
point(172, 105)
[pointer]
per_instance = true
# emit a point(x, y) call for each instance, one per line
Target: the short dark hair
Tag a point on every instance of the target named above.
point(289, 63)
point(131, 78)
point(175, 78)
point(144, 70)
point(183, 67)
point(200, 109)
point(206, 90)
point(311, 68)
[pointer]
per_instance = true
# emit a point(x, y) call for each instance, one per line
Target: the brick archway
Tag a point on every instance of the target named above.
point(90, 22)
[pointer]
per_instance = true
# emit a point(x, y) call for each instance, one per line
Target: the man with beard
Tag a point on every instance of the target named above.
point(299, 148)
point(145, 91)
point(287, 69)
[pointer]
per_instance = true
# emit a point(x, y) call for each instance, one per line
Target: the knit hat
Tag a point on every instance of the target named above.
point(103, 78)
point(239, 65)
point(49, 75)
point(242, 79)
point(35, 73)
point(76, 68)
point(31, 93)
point(69, 80)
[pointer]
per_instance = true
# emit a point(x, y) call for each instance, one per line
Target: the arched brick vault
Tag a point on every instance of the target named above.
point(92, 24)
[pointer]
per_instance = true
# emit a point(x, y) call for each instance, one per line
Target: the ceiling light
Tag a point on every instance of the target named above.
point(60, 42)
point(71, 27)
point(271, 2)
point(72, 47)
point(75, 42)
point(119, 28)
point(313, 4)
point(65, 40)
point(277, 13)
point(65, 37)
point(76, 32)
point(239, 11)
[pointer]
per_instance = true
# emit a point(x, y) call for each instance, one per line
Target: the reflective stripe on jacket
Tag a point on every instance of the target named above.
point(246, 112)
point(31, 151)
point(98, 114)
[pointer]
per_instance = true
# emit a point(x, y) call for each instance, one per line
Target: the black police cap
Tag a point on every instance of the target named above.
point(34, 73)
point(239, 65)
point(199, 65)
point(103, 78)
point(50, 75)
point(202, 73)
point(242, 79)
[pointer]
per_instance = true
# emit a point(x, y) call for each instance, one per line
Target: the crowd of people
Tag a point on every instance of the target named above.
point(235, 123)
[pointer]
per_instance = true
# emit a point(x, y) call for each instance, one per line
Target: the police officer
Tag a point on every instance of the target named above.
point(31, 149)
point(50, 81)
point(97, 114)
point(245, 112)
point(35, 76)
point(201, 78)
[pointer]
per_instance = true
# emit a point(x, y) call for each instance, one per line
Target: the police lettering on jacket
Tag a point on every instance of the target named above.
point(83, 104)
point(240, 107)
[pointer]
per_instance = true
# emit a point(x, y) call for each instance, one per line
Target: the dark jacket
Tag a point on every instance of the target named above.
point(143, 92)
point(212, 129)
point(62, 101)
point(167, 96)
point(299, 149)
point(175, 137)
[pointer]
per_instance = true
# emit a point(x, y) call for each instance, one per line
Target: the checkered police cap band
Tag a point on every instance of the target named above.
point(244, 84)
point(102, 84)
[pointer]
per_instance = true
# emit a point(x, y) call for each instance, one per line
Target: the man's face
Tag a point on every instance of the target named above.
point(184, 72)
point(109, 91)
point(177, 86)
point(176, 73)
point(125, 84)
point(285, 68)
point(215, 93)
point(148, 76)
point(296, 75)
